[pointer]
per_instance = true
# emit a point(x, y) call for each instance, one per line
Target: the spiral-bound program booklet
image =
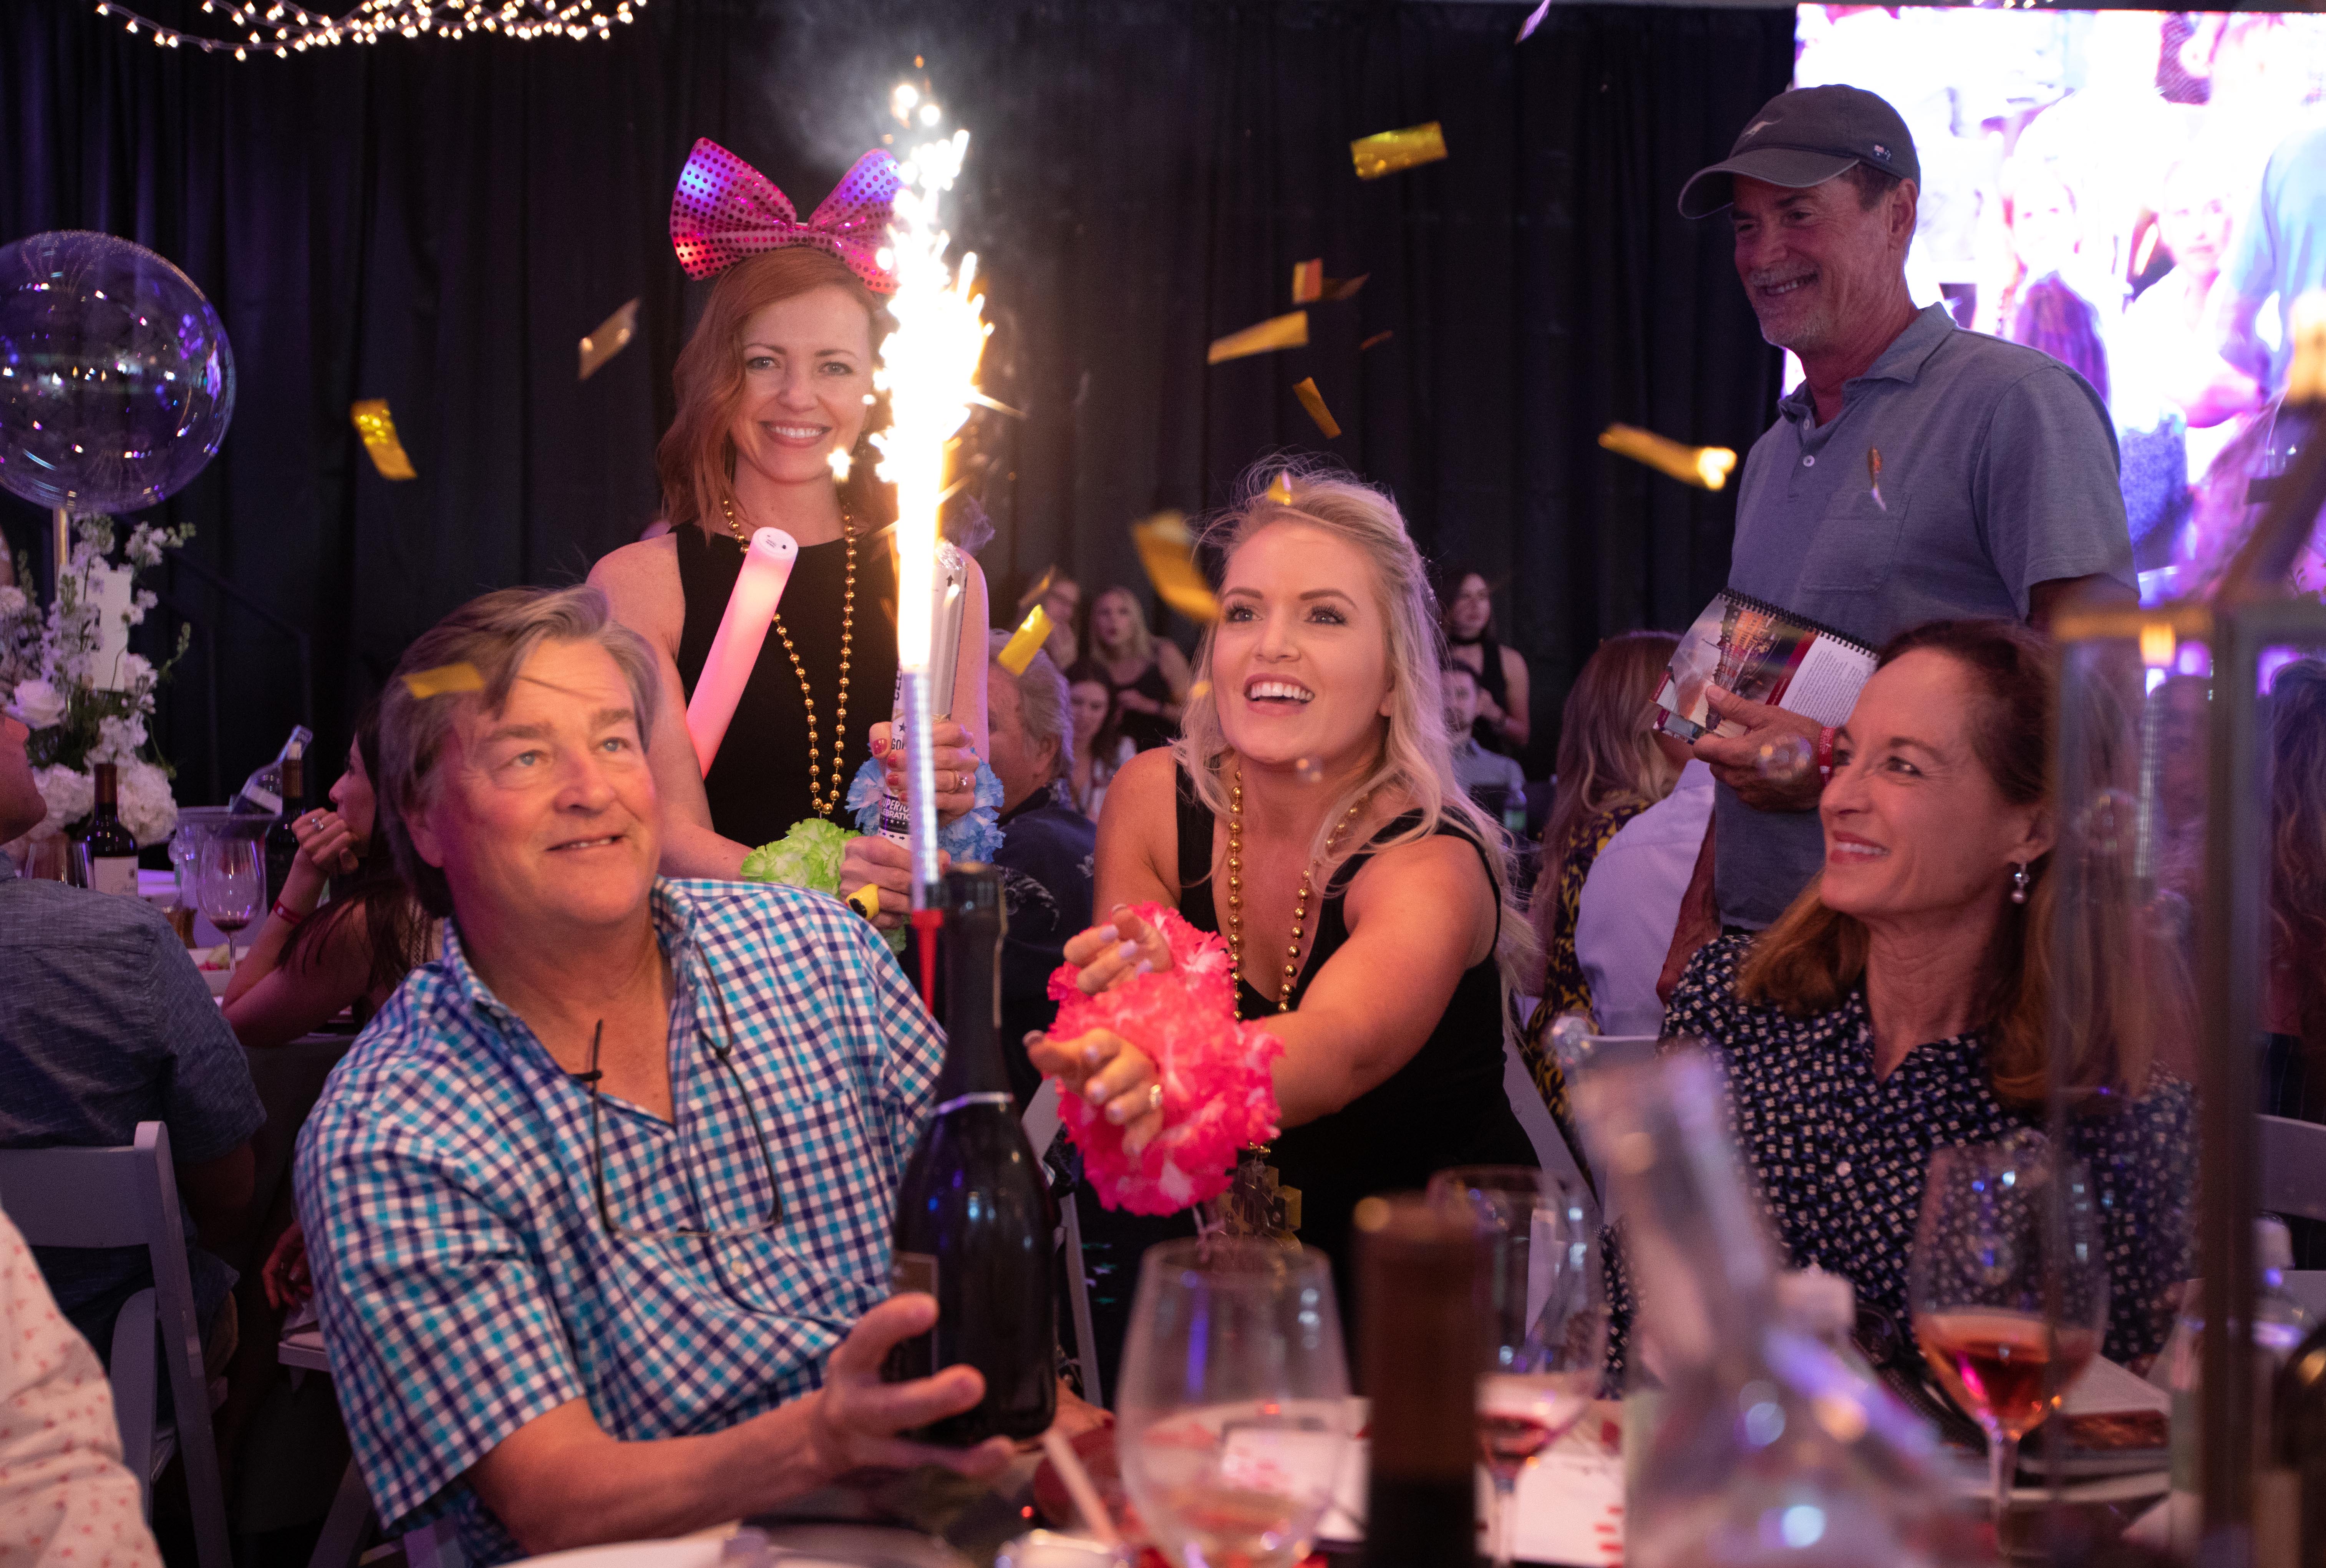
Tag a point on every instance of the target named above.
point(1763, 653)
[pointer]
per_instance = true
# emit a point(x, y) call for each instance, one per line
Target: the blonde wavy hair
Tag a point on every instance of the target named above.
point(1416, 761)
point(1138, 646)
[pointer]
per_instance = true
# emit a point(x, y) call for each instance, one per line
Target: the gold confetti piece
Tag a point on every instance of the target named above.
point(1199, 691)
point(1314, 402)
point(1289, 331)
point(1339, 289)
point(1707, 468)
point(866, 900)
point(1025, 642)
point(444, 681)
point(1307, 281)
point(613, 335)
point(1167, 550)
point(378, 428)
point(982, 401)
point(2306, 375)
point(1376, 337)
point(1041, 589)
point(1391, 151)
point(1279, 490)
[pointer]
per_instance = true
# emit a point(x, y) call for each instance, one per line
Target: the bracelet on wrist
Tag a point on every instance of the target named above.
point(286, 914)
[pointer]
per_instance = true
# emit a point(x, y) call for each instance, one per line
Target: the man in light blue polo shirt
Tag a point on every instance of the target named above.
point(1917, 473)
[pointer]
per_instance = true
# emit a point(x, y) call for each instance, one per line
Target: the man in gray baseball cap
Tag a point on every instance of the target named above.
point(1917, 473)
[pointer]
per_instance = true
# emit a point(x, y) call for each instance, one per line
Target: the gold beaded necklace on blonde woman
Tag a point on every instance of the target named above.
point(1299, 905)
point(820, 806)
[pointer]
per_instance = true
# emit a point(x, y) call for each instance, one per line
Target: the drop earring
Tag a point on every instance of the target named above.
point(2019, 884)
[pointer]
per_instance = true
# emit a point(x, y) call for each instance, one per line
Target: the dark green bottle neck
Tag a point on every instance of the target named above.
point(973, 1001)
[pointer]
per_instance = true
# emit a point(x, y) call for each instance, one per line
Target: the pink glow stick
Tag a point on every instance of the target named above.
point(750, 609)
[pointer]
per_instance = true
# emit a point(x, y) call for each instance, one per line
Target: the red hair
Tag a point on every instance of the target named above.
point(696, 457)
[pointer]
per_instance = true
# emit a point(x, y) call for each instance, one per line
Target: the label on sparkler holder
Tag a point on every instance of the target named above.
point(951, 597)
point(974, 1216)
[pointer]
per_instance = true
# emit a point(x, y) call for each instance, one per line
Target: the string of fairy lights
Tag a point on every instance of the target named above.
point(279, 28)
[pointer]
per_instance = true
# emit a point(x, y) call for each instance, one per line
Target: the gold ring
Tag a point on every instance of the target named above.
point(1154, 1097)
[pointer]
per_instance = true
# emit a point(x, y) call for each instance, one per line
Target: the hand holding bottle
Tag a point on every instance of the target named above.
point(855, 1419)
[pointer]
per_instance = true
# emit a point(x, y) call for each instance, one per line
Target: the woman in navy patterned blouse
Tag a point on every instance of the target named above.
point(1900, 1005)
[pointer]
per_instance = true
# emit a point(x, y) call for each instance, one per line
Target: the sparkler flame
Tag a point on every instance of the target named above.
point(929, 371)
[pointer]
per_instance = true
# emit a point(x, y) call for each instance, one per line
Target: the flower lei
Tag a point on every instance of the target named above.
point(1218, 1093)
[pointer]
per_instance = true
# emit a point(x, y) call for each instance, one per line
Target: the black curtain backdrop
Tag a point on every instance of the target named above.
point(439, 223)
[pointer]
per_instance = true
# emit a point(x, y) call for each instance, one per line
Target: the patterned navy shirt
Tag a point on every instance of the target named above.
point(465, 1281)
point(1838, 1156)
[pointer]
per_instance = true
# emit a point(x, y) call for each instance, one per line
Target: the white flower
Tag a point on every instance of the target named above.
point(118, 739)
point(147, 807)
point(12, 601)
point(38, 704)
point(70, 796)
point(134, 672)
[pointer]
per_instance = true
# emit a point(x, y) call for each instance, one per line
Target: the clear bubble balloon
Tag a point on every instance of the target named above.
point(117, 384)
point(1783, 758)
point(1308, 770)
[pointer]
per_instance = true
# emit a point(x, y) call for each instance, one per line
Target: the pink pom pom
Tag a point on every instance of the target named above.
point(1218, 1093)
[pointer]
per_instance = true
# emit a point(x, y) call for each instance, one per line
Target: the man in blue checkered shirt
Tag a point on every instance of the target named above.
point(597, 1207)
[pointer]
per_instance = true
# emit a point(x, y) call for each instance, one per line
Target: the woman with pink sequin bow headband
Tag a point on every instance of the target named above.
point(774, 388)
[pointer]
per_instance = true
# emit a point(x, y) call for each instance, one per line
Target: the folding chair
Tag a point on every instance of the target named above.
point(128, 1197)
point(1041, 1124)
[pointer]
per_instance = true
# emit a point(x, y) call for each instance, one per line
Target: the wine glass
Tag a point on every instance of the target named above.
point(230, 881)
point(1233, 1400)
point(1545, 1344)
point(1990, 1243)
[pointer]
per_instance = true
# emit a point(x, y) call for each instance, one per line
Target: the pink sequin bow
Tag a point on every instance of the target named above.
point(724, 210)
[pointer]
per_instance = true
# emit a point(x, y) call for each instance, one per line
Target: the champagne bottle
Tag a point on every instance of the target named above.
point(1421, 1281)
point(261, 795)
point(282, 843)
point(111, 848)
point(974, 1217)
point(2298, 1419)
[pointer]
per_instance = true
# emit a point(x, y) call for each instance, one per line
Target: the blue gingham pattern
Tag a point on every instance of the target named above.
point(465, 1283)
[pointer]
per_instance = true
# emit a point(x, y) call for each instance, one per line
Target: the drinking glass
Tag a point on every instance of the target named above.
point(230, 881)
point(1545, 1343)
point(1233, 1400)
point(1991, 1243)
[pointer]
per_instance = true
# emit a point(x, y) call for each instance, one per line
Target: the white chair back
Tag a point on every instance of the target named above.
point(128, 1197)
point(2293, 1167)
point(1041, 1124)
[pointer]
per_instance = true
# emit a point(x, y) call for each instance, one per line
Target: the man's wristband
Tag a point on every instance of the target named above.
point(1825, 754)
point(286, 914)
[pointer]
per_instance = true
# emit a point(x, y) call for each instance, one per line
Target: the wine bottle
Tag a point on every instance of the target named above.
point(2298, 1417)
point(1420, 1285)
point(111, 848)
point(282, 843)
point(261, 795)
point(974, 1216)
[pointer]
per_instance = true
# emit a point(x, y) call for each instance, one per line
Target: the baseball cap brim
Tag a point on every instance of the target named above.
point(1709, 189)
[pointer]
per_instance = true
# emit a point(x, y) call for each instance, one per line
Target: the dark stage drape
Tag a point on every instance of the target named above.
point(438, 224)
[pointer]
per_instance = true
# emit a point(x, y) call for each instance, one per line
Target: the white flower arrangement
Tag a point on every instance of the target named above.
point(82, 714)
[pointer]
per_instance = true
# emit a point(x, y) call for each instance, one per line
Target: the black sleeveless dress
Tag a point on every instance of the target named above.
point(1445, 1106)
point(1495, 683)
point(758, 783)
point(1146, 731)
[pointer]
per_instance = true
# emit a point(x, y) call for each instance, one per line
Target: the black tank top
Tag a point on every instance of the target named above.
point(1494, 683)
point(758, 783)
point(1445, 1106)
point(1146, 731)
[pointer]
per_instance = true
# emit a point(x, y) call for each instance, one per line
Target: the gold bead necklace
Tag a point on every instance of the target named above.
point(826, 806)
point(1299, 905)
